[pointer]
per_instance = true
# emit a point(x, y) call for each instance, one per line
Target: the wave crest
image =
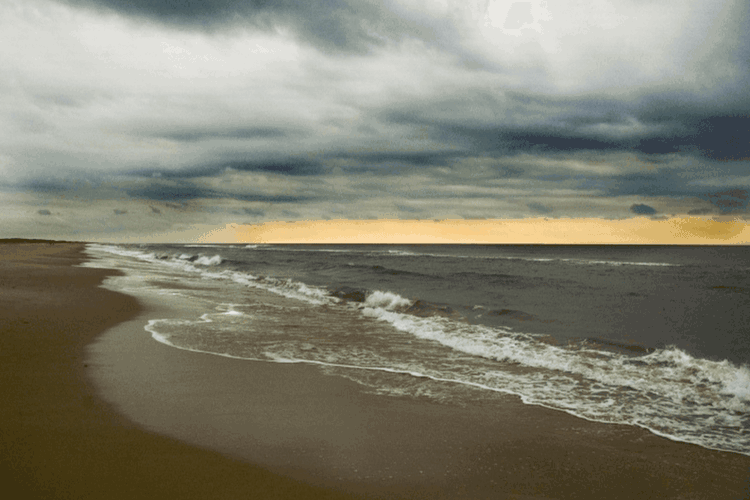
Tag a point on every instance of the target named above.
point(386, 300)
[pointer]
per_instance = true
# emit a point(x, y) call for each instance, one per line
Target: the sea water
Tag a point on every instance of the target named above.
point(651, 336)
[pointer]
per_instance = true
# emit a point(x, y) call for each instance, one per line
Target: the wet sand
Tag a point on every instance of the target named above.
point(57, 439)
point(144, 420)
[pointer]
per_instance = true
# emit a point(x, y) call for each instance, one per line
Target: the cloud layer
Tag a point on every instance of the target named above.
point(127, 116)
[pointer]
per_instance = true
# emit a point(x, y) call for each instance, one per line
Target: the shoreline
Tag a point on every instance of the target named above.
point(145, 420)
point(320, 428)
point(58, 439)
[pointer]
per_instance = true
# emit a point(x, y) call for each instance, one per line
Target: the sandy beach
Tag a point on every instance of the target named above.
point(94, 408)
point(57, 440)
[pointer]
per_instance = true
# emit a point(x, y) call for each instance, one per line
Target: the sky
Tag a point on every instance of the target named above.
point(146, 120)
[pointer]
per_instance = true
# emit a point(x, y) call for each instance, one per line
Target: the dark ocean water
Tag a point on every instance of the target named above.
point(651, 336)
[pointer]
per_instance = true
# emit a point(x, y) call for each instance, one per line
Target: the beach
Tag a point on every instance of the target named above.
point(94, 408)
point(57, 440)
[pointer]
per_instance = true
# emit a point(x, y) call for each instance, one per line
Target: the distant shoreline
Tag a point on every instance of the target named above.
point(38, 241)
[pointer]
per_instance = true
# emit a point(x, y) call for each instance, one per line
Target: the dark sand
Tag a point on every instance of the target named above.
point(314, 434)
point(57, 440)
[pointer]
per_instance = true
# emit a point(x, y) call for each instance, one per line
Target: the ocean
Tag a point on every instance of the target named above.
point(651, 336)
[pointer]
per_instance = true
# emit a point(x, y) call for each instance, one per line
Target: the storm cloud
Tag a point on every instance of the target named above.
point(338, 26)
point(200, 112)
point(642, 209)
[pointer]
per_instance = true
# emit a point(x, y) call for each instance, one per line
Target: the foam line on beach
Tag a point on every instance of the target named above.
point(526, 400)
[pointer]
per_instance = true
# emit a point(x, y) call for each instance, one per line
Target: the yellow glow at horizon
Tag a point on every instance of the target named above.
point(639, 230)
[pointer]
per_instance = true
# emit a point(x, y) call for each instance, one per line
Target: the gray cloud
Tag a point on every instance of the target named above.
point(182, 134)
point(118, 211)
point(347, 26)
point(672, 124)
point(204, 111)
point(44, 212)
point(185, 191)
point(286, 166)
point(731, 200)
point(539, 208)
point(642, 209)
point(255, 212)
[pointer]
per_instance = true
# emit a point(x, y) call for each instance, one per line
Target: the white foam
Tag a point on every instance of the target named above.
point(658, 391)
point(209, 261)
point(578, 261)
point(386, 300)
point(404, 253)
point(736, 382)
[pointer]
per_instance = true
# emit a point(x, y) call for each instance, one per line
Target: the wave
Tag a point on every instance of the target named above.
point(350, 294)
point(587, 262)
point(205, 265)
point(667, 390)
point(385, 271)
point(293, 248)
point(389, 301)
point(202, 259)
point(386, 301)
point(399, 253)
point(511, 313)
point(574, 261)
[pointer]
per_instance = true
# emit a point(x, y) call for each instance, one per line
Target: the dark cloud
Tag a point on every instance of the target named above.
point(539, 208)
point(252, 211)
point(47, 186)
point(290, 214)
point(170, 192)
point(288, 166)
point(186, 191)
point(731, 200)
point(202, 134)
point(75, 184)
point(642, 209)
point(388, 162)
point(656, 124)
point(435, 116)
point(416, 158)
point(331, 25)
point(44, 212)
point(719, 138)
point(665, 183)
point(407, 209)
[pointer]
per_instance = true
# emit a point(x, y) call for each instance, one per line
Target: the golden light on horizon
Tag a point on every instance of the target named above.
point(638, 230)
